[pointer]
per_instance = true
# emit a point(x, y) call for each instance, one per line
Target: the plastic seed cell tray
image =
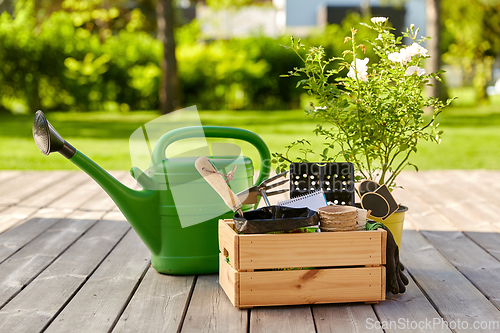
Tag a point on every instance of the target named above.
point(336, 180)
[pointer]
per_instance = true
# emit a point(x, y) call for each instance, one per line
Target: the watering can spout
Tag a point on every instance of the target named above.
point(138, 207)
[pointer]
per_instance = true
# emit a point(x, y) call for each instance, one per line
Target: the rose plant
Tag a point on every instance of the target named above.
point(373, 116)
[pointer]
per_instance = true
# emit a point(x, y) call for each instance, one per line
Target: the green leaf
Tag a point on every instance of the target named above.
point(300, 82)
point(413, 165)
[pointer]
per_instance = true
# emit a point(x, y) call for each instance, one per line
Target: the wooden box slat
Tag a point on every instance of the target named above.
point(311, 286)
point(347, 267)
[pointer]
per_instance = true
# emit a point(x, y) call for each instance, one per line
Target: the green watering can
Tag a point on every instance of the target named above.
point(184, 243)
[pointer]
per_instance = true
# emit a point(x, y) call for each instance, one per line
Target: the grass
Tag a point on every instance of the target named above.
point(470, 141)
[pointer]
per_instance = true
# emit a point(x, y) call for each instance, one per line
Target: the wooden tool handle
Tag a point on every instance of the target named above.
point(209, 173)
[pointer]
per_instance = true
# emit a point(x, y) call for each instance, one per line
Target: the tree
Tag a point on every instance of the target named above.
point(169, 85)
point(433, 30)
point(473, 38)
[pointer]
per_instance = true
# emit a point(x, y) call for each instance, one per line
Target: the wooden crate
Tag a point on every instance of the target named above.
point(347, 267)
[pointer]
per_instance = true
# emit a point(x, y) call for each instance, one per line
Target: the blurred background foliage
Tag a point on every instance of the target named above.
point(100, 55)
point(84, 55)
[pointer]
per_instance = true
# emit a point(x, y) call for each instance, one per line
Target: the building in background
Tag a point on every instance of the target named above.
point(277, 17)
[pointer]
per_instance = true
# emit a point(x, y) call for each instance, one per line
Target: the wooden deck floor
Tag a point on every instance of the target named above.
point(70, 262)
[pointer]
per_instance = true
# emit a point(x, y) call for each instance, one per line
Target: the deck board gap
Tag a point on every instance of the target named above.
point(379, 319)
point(481, 246)
point(132, 293)
point(188, 302)
point(249, 313)
point(313, 319)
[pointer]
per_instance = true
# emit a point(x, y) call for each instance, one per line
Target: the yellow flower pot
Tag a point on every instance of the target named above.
point(394, 223)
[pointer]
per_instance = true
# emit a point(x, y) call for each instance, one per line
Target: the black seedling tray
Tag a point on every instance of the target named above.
point(336, 180)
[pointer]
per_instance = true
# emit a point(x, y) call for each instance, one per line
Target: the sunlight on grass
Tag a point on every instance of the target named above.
point(470, 138)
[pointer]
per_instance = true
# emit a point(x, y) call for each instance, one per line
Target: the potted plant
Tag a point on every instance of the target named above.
point(373, 115)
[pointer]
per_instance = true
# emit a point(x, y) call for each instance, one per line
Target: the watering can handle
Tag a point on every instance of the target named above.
point(216, 132)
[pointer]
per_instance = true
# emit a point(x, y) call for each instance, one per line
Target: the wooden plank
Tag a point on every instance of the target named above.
point(408, 312)
point(15, 215)
point(158, 305)
point(84, 195)
point(19, 213)
point(343, 318)
point(486, 183)
point(23, 191)
point(14, 183)
point(229, 242)
point(478, 266)
point(9, 174)
point(59, 190)
point(340, 285)
point(482, 184)
point(126, 178)
point(211, 311)
point(17, 271)
point(229, 280)
point(78, 195)
point(310, 249)
point(454, 296)
point(14, 239)
point(35, 306)
point(447, 199)
point(102, 201)
point(455, 200)
point(477, 220)
point(98, 304)
point(292, 319)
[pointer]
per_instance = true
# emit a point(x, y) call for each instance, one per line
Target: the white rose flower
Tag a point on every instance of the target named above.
point(414, 70)
point(378, 19)
point(360, 68)
point(405, 55)
point(402, 56)
point(319, 108)
point(415, 49)
point(363, 76)
point(395, 57)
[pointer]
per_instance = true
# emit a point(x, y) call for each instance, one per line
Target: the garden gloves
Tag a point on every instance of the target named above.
point(396, 279)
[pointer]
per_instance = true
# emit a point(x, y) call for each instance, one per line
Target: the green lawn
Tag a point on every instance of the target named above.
point(471, 137)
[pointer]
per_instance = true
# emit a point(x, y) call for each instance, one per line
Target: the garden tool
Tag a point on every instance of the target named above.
point(213, 177)
point(396, 279)
point(176, 247)
point(228, 177)
point(251, 195)
point(265, 219)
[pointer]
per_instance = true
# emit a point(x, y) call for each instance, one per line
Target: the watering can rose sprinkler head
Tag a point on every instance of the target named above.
point(48, 140)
